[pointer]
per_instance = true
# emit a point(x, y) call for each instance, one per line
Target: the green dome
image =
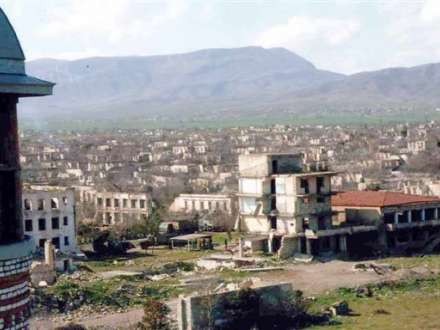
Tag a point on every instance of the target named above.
point(10, 46)
point(13, 78)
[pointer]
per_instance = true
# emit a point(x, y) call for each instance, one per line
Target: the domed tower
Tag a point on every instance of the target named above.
point(15, 248)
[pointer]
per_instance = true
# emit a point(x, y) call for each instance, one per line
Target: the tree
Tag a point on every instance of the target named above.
point(155, 316)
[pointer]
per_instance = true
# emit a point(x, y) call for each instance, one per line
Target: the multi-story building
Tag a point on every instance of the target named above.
point(122, 207)
point(49, 215)
point(190, 203)
point(282, 196)
point(402, 222)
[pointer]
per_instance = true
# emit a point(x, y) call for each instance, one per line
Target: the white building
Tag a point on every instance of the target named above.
point(122, 207)
point(189, 203)
point(282, 196)
point(49, 214)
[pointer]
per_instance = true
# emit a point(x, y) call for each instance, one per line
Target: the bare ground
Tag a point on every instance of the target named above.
point(312, 279)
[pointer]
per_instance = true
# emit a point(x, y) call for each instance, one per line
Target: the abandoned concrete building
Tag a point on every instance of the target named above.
point(190, 203)
point(400, 222)
point(49, 215)
point(122, 207)
point(285, 204)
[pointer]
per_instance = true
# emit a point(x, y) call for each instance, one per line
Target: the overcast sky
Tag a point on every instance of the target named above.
point(339, 35)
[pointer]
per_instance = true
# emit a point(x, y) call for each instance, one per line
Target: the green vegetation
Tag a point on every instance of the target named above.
point(412, 304)
point(141, 260)
point(329, 117)
point(116, 292)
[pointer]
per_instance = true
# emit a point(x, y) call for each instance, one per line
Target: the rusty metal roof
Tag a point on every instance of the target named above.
point(13, 78)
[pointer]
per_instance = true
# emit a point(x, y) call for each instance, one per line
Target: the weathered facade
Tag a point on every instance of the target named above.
point(122, 207)
point(402, 222)
point(189, 203)
point(49, 215)
point(288, 201)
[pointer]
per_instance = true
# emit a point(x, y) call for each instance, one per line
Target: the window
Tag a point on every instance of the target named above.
point(65, 200)
point(133, 203)
point(54, 203)
point(116, 202)
point(56, 242)
point(66, 221)
point(40, 204)
point(108, 202)
point(27, 205)
point(28, 225)
point(217, 205)
point(142, 201)
point(320, 184)
point(55, 223)
point(125, 203)
point(304, 184)
point(186, 205)
point(66, 240)
point(41, 224)
point(41, 243)
point(99, 201)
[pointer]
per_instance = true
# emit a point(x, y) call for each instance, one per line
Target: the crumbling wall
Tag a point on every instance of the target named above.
point(289, 246)
point(194, 312)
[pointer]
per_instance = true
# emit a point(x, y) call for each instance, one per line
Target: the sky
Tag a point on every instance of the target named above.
point(345, 36)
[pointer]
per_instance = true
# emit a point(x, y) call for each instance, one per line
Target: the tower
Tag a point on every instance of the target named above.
point(15, 248)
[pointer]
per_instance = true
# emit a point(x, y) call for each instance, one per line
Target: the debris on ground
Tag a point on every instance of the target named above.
point(380, 269)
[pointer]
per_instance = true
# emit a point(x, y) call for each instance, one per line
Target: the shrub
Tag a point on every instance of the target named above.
point(155, 316)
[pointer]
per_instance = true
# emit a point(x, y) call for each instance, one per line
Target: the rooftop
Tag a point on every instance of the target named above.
point(379, 199)
point(13, 78)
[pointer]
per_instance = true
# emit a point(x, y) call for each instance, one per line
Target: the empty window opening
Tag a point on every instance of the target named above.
point(40, 204)
point(28, 225)
point(27, 205)
point(54, 203)
point(56, 223)
point(41, 224)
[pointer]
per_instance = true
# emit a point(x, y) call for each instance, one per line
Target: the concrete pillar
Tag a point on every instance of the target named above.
point(333, 243)
point(409, 216)
point(396, 218)
point(423, 215)
point(240, 247)
point(343, 243)
point(436, 213)
point(49, 254)
point(270, 243)
point(308, 246)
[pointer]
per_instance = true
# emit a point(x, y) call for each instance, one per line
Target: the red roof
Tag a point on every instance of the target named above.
point(379, 199)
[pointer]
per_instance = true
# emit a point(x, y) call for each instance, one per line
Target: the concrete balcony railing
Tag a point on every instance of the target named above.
point(312, 208)
point(393, 226)
point(309, 233)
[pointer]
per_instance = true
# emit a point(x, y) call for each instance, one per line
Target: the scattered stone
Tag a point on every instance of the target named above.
point(339, 308)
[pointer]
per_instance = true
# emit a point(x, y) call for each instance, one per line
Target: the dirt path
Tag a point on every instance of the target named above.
point(311, 278)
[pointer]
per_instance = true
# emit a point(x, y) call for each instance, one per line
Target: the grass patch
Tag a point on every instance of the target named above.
point(144, 260)
point(412, 304)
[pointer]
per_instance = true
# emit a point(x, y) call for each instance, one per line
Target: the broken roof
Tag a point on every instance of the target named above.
point(379, 199)
point(13, 78)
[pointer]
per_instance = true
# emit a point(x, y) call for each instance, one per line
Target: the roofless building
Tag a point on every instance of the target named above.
point(15, 248)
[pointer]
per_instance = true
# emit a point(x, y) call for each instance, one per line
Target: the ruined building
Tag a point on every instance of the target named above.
point(15, 248)
point(285, 203)
point(399, 222)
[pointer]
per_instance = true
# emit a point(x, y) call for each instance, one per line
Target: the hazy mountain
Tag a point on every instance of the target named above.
point(213, 75)
point(220, 85)
point(419, 85)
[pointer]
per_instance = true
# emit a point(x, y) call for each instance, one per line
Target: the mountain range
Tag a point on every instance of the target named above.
point(221, 84)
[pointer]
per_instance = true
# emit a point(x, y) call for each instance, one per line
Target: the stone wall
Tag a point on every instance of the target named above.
point(192, 313)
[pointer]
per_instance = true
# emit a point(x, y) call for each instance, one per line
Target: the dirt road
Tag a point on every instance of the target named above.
point(310, 278)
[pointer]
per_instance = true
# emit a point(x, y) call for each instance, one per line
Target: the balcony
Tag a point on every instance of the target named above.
point(407, 225)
